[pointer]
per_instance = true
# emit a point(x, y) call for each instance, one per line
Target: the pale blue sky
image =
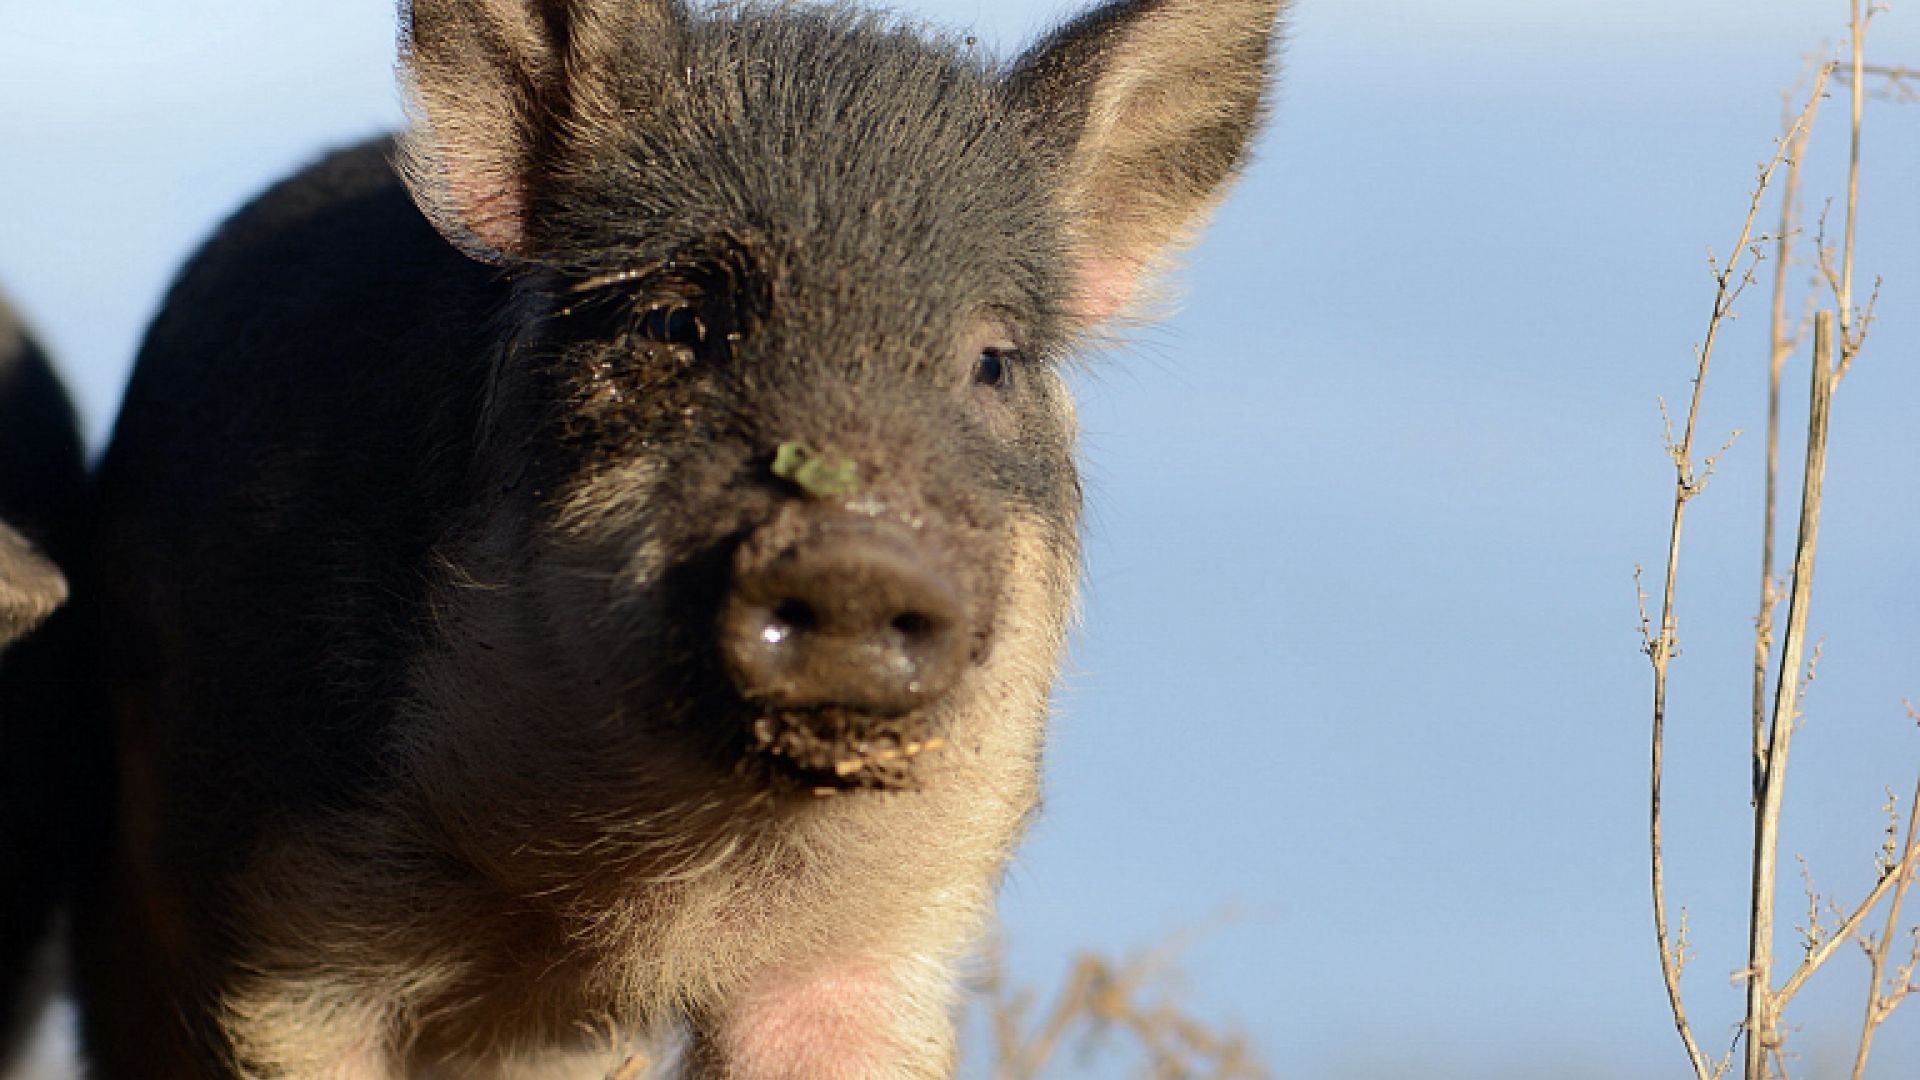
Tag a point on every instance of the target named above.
point(1360, 666)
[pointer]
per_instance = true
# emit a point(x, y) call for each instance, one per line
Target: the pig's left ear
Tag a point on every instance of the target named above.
point(505, 95)
point(1155, 102)
point(30, 587)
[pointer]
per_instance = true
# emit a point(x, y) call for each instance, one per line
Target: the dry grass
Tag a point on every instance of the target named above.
point(1126, 1006)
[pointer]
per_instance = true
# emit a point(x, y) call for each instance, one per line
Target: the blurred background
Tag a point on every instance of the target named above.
point(1358, 713)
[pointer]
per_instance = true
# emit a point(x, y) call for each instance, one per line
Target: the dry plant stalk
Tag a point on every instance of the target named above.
point(1730, 282)
point(1103, 1003)
point(1837, 341)
point(1763, 1005)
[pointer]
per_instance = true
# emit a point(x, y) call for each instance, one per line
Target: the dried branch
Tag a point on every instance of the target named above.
point(1730, 281)
point(1838, 338)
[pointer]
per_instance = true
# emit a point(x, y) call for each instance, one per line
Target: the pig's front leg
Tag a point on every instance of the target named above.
point(848, 1020)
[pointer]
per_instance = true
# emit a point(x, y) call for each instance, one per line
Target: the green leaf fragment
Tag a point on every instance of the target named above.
point(823, 476)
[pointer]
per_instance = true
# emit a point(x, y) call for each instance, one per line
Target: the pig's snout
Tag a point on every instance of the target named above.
point(857, 615)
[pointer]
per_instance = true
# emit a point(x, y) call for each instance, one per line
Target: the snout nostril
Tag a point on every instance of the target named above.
point(913, 625)
point(795, 615)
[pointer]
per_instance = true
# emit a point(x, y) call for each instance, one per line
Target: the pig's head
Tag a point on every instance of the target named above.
point(775, 498)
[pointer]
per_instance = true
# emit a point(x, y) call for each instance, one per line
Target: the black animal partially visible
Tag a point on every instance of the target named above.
point(41, 475)
point(41, 472)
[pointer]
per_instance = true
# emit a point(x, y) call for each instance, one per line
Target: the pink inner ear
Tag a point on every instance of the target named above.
point(492, 209)
point(1103, 287)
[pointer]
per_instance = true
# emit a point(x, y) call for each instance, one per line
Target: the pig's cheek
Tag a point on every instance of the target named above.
point(807, 1025)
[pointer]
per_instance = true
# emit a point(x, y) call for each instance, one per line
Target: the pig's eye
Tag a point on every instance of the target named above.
point(673, 324)
point(995, 367)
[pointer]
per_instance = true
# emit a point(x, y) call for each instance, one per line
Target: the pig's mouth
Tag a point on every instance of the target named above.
point(833, 749)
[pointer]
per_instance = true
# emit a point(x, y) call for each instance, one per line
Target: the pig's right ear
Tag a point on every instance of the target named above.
point(30, 587)
point(1150, 105)
point(505, 92)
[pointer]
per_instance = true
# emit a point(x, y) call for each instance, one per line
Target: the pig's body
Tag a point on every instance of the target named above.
point(651, 629)
point(40, 483)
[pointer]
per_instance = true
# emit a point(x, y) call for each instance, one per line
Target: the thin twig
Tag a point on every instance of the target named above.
point(1814, 934)
point(1883, 71)
point(1845, 932)
point(1880, 1001)
point(1849, 342)
point(1781, 346)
